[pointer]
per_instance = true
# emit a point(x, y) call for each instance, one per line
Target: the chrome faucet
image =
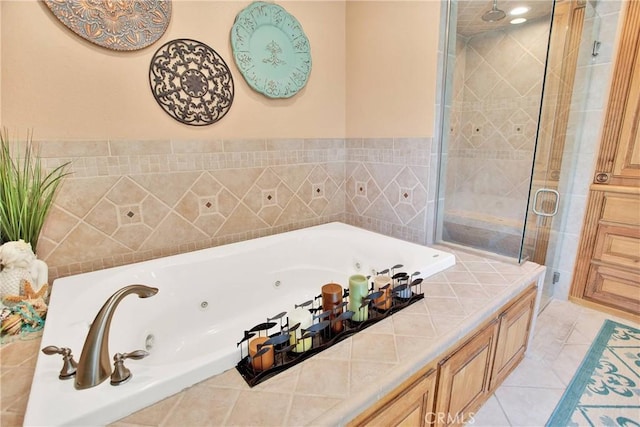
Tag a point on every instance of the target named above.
point(94, 365)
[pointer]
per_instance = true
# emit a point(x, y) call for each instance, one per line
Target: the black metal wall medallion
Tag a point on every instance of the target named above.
point(191, 82)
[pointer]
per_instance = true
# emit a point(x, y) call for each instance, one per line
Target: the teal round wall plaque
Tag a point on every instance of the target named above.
point(271, 50)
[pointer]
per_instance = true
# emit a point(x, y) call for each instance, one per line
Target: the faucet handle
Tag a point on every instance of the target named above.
point(121, 374)
point(68, 364)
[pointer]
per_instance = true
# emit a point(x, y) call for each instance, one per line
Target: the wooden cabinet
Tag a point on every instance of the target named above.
point(614, 274)
point(607, 271)
point(513, 335)
point(410, 406)
point(464, 378)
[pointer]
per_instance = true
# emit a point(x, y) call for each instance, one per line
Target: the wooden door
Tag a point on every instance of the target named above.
point(464, 377)
point(607, 271)
point(513, 335)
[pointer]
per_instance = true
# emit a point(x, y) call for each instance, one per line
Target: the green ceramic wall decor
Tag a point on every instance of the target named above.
point(118, 25)
point(271, 50)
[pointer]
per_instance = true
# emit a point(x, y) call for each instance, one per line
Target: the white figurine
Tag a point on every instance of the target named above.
point(18, 263)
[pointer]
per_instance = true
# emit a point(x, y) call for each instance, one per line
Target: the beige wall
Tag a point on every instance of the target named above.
point(65, 87)
point(374, 66)
point(391, 67)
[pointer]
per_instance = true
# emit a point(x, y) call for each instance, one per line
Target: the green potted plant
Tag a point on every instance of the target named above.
point(26, 191)
point(26, 195)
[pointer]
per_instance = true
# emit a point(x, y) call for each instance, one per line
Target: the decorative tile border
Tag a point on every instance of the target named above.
point(130, 201)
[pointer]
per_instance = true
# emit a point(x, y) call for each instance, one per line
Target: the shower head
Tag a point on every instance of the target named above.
point(494, 14)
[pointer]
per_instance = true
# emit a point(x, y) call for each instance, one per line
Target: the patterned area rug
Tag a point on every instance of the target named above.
point(605, 390)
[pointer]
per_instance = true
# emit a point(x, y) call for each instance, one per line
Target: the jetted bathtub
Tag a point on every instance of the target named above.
point(206, 300)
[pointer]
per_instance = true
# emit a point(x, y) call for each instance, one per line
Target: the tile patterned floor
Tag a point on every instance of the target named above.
point(527, 397)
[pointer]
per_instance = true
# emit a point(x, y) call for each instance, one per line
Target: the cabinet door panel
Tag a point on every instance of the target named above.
point(464, 378)
point(614, 287)
point(410, 407)
point(513, 334)
point(619, 246)
point(622, 209)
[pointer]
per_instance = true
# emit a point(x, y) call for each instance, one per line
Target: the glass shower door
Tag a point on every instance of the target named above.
point(492, 97)
point(574, 29)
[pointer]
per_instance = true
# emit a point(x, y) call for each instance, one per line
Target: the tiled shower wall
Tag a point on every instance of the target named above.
point(129, 201)
point(496, 101)
point(391, 186)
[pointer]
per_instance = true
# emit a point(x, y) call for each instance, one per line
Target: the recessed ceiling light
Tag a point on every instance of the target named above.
point(519, 10)
point(518, 20)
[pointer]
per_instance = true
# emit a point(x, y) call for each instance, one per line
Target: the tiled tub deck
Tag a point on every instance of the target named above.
point(333, 386)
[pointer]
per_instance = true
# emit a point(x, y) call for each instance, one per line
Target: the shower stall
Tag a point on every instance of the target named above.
point(510, 69)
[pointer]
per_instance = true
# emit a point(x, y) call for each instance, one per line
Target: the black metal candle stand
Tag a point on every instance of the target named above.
point(321, 331)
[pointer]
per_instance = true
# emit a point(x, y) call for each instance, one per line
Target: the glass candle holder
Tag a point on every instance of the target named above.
point(383, 302)
point(331, 299)
point(264, 361)
point(304, 317)
point(358, 289)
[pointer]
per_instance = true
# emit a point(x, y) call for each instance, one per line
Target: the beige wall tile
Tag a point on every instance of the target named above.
point(79, 195)
point(239, 145)
point(127, 201)
point(84, 243)
point(153, 211)
point(104, 217)
point(171, 227)
point(124, 148)
point(126, 192)
point(285, 144)
point(58, 224)
point(188, 206)
point(191, 146)
point(133, 235)
point(237, 181)
point(167, 187)
point(73, 149)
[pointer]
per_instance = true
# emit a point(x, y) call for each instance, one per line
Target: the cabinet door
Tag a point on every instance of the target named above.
point(513, 335)
point(614, 287)
point(409, 407)
point(607, 271)
point(464, 378)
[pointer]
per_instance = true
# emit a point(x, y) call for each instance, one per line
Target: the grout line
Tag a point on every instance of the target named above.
point(171, 410)
point(502, 408)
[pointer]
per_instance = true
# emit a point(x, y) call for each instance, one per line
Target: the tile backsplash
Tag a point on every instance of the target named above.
point(129, 201)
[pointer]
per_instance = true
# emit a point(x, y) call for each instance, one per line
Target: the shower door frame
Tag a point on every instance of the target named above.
point(547, 162)
point(443, 125)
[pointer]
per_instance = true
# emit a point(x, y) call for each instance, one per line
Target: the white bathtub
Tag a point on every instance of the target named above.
point(191, 340)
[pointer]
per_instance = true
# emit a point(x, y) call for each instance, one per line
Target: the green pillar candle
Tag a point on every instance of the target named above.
point(358, 288)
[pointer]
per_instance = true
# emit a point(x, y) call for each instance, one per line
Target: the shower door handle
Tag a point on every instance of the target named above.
point(555, 204)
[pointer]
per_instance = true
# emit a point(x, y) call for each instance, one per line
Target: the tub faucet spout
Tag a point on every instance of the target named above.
point(94, 365)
